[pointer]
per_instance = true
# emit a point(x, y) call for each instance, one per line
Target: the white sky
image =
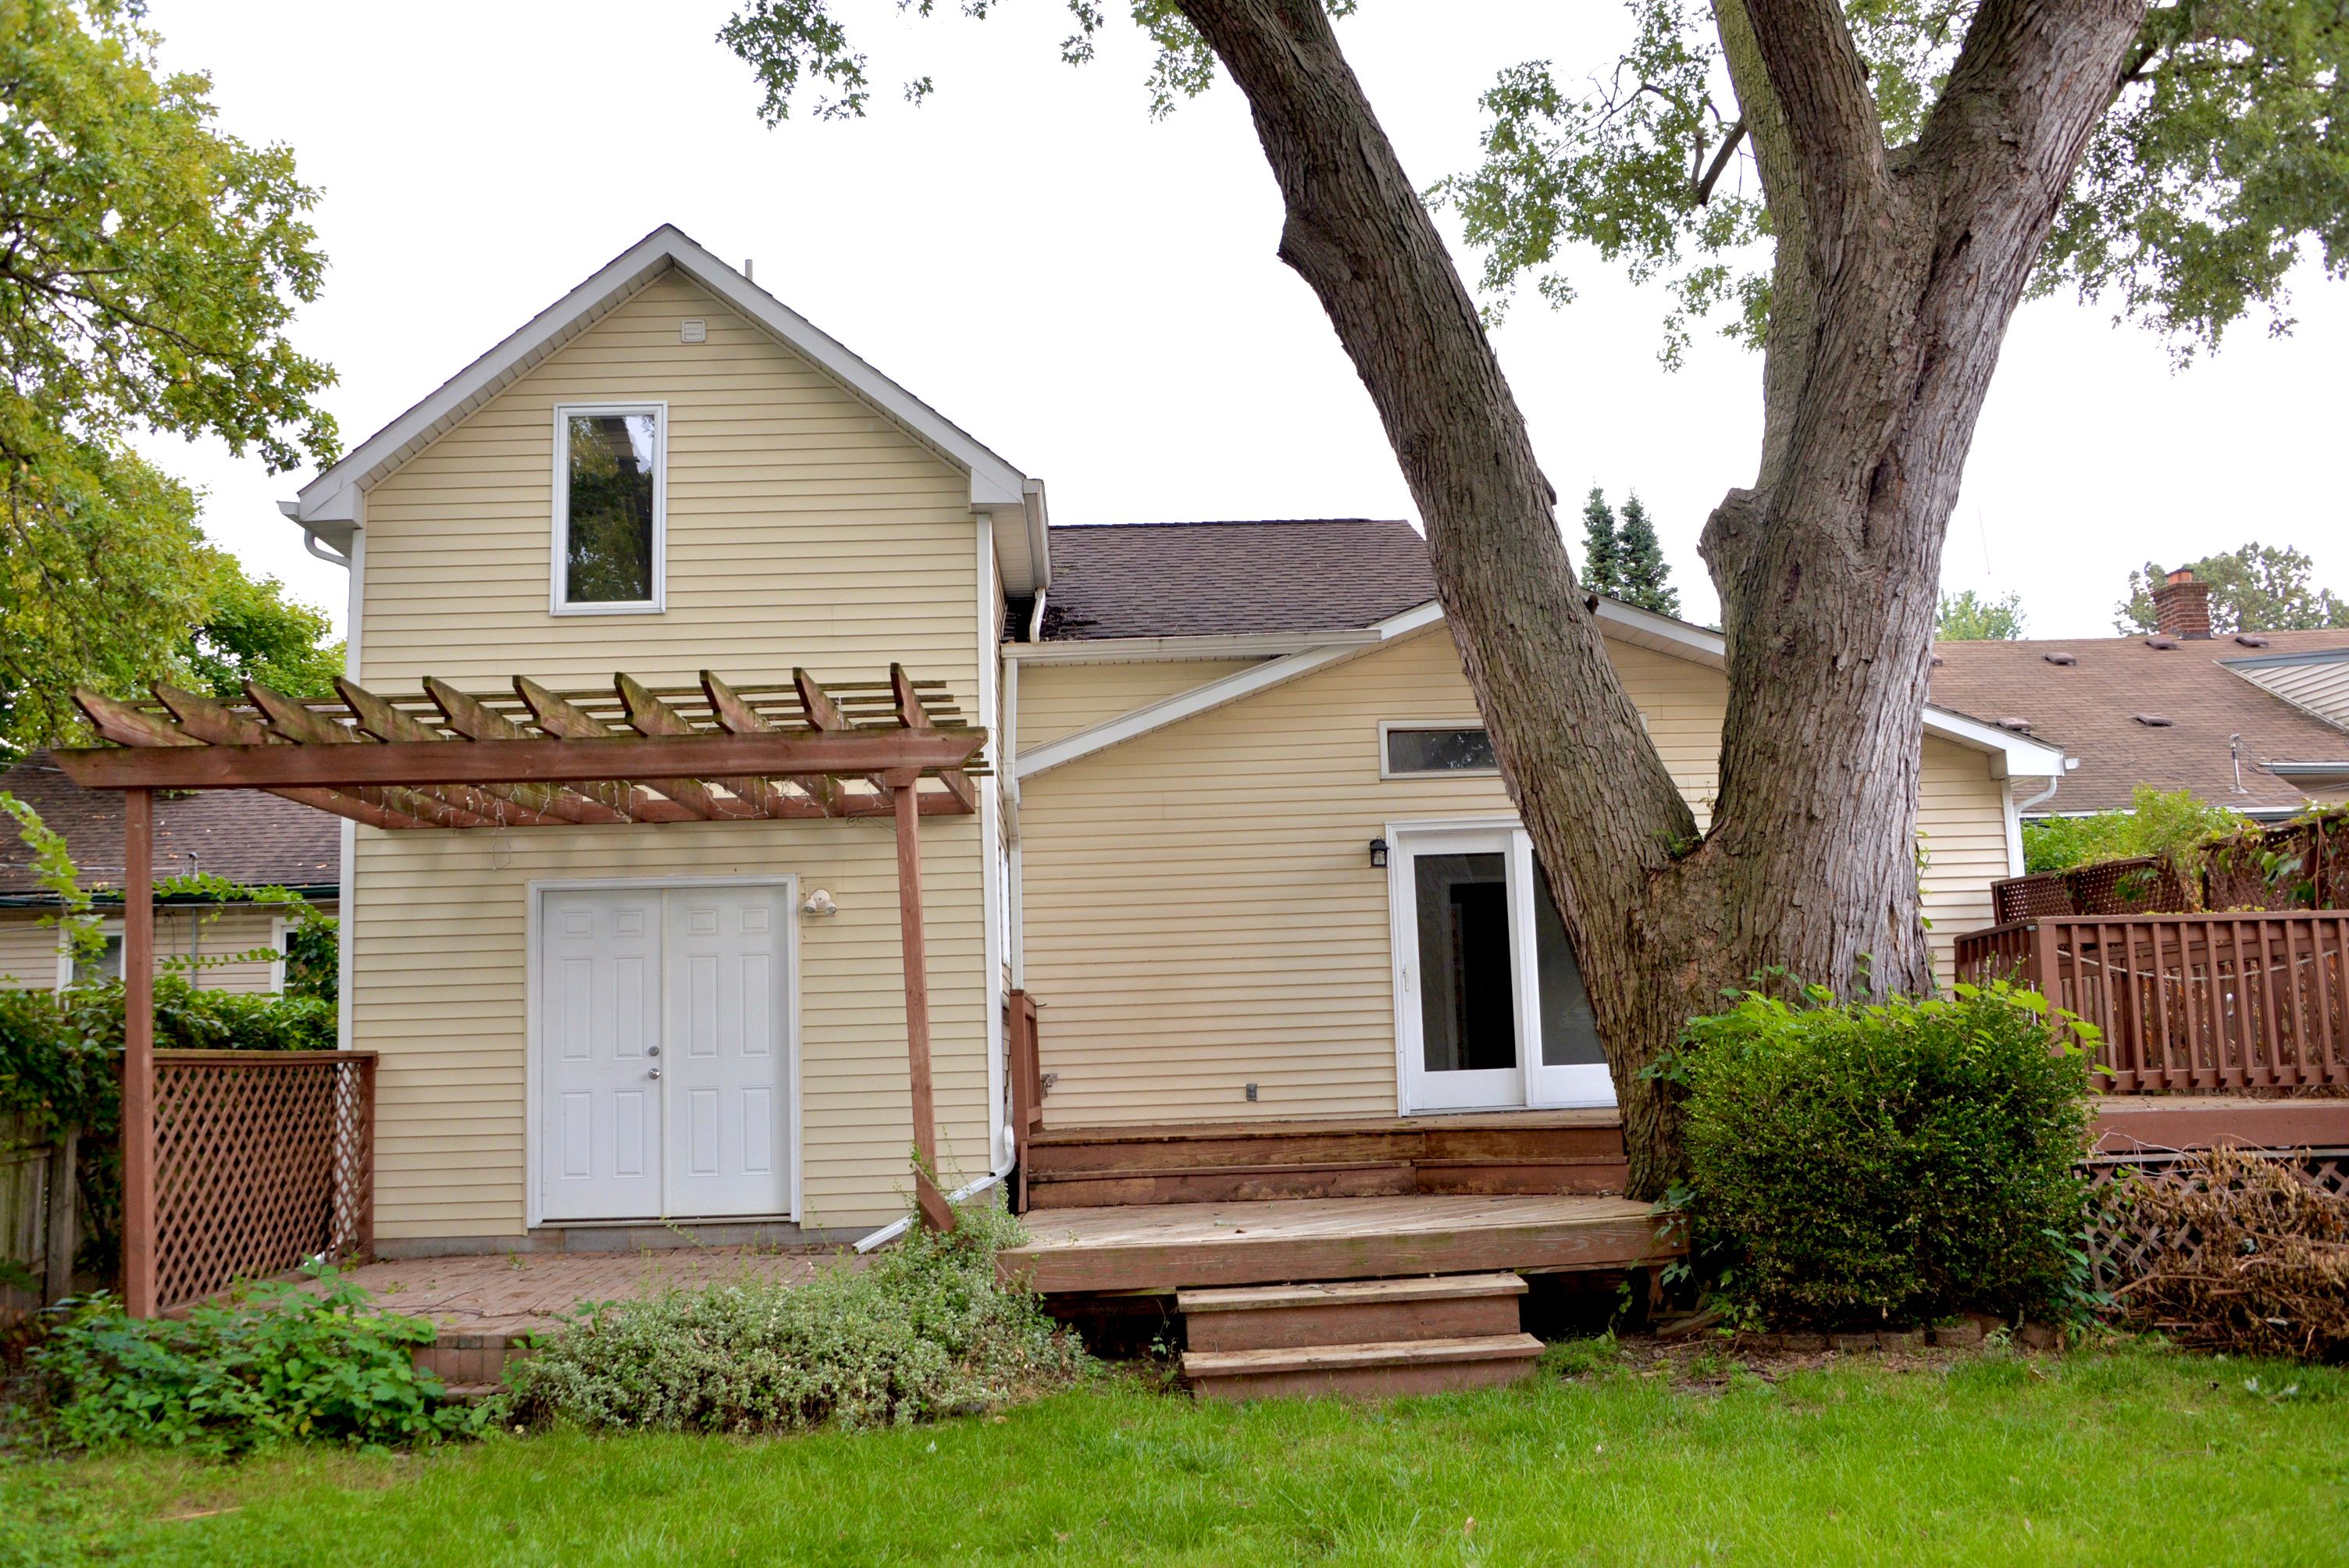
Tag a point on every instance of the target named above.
point(1097, 297)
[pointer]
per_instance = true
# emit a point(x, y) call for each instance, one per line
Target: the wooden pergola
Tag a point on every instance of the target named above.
point(448, 759)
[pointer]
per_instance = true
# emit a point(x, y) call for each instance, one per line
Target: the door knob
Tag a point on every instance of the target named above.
point(654, 1074)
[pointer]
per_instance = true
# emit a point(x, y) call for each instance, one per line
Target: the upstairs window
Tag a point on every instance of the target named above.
point(1410, 749)
point(611, 495)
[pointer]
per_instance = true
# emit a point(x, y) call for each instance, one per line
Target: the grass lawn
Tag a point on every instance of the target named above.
point(2129, 1457)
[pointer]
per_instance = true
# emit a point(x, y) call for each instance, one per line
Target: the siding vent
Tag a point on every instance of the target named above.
point(2060, 658)
point(2155, 720)
point(693, 330)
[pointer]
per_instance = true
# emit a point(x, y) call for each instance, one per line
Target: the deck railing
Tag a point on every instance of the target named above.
point(2247, 1000)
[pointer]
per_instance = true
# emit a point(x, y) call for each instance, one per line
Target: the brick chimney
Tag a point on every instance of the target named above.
point(2181, 607)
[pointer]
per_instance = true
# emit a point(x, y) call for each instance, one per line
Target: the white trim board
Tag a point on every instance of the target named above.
point(2013, 754)
point(329, 506)
point(1218, 693)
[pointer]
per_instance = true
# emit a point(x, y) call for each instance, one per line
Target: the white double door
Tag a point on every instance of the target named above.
point(664, 1070)
point(1490, 1011)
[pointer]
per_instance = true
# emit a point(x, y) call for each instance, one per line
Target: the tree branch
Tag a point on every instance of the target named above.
point(1720, 161)
point(1816, 74)
point(1602, 809)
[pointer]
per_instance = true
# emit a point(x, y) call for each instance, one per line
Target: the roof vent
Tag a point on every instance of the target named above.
point(2248, 641)
point(1936, 662)
point(2060, 658)
point(2161, 642)
point(2020, 725)
point(2155, 720)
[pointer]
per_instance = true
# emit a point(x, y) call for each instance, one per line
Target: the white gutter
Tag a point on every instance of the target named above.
point(1139, 650)
point(896, 1228)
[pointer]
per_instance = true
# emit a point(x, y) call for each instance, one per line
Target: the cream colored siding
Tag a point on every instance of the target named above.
point(29, 953)
point(1201, 912)
point(443, 982)
point(802, 530)
point(29, 950)
point(1058, 699)
point(1961, 812)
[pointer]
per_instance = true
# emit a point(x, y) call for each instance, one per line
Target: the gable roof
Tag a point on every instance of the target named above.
point(1350, 583)
point(2090, 706)
point(327, 507)
point(241, 834)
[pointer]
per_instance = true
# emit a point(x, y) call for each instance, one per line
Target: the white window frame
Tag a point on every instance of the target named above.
point(106, 927)
point(1389, 726)
point(558, 561)
point(1533, 1085)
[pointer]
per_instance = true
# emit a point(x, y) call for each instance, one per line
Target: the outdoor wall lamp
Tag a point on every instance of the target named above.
point(1377, 852)
point(818, 902)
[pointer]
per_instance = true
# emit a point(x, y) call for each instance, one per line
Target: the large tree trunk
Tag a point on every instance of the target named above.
point(1897, 273)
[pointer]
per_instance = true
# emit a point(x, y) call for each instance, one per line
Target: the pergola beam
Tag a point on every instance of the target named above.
point(468, 807)
point(739, 718)
point(539, 804)
point(559, 717)
point(602, 801)
point(914, 716)
point(533, 761)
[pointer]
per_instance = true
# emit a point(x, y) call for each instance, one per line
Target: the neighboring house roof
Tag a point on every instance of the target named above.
point(2316, 682)
point(241, 834)
point(2092, 696)
point(1212, 579)
point(1313, 592)
point(329, 506)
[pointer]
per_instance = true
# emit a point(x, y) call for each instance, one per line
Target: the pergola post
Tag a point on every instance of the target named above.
point(138, 1052)
point(936, 1212)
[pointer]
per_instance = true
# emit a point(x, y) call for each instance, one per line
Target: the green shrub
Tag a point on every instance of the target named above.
point(277, 1363)
point(2158, 822)
point(923, 1329)
point(1888, 1165)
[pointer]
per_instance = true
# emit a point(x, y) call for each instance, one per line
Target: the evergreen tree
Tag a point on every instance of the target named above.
point(1602, 570)
point(1641, 574)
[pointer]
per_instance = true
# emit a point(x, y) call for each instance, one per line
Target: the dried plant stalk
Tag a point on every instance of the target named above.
point(2250, 1255)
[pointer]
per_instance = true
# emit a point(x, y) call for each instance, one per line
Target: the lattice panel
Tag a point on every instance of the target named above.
point(2121, 1246)
point(262, 1159)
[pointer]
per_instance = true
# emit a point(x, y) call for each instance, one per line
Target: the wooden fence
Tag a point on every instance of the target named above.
point(36, 1218)
point(263, 1158)
point(2246, 1000)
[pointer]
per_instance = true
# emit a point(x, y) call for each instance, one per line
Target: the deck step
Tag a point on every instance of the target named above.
point(1350, 1312)
point(1383, 1370)
point(1053, 1185)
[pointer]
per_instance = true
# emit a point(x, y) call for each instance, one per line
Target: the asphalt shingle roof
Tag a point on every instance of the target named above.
point(2090, 706)
point(1205, 579)
point(241, 834)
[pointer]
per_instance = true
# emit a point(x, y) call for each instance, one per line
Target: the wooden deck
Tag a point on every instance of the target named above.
point(1161, 1247)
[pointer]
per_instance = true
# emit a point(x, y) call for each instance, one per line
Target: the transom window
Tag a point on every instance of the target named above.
point(610, 498)
point(1407, 749)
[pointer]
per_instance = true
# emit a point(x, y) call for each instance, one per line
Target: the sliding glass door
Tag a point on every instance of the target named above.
point(1490, 1008)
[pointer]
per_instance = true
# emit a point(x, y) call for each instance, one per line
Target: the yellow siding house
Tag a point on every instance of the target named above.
point(1197, 734)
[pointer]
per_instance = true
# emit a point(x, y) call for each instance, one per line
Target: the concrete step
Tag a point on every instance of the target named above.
point(1350, 1312)
point(1387, 1370)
